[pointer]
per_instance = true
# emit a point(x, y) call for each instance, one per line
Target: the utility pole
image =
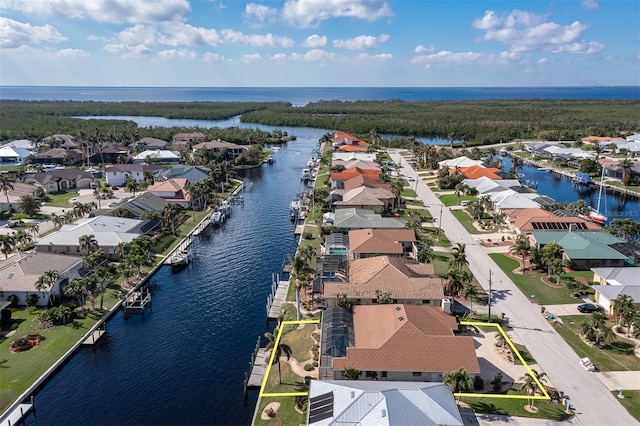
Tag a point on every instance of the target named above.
point(490, 295)
point(440, 222)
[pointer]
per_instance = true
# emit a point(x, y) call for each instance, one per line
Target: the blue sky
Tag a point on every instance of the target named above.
point(319, 43)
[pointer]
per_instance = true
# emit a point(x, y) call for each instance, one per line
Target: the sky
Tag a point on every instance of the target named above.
point(320, 43)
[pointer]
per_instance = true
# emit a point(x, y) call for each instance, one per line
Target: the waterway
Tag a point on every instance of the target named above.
point(184, 362)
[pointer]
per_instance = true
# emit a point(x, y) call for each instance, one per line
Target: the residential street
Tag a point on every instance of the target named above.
point(593, 402)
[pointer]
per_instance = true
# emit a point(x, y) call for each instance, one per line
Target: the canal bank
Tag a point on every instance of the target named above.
point(184, 362)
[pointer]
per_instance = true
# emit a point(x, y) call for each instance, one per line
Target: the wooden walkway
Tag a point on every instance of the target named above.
point(279, 300)
point(259, 369)
point(93, 338)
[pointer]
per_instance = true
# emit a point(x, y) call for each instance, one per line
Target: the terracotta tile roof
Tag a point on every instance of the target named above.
point(365, 196)
point(339, 136)
point(523, 219)
point(360, 164)
point(478, 171)
point(407, 338)
point(382, 241)
point(355, 172)
point(365, 180)
point(401, 278)
point(352, 148)
point(171, 185)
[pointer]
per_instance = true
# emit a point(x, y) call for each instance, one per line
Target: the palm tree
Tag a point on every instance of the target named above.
point(521, 247)
point(626, 165)
point(7, 244)
point(29, 205)
point(105, 276)
point(35, 231)
point(425, 253)
point(351, 374)
point(459, 257)
point(595, 329)
point(461, 188)
point(458, 381)
point(22, 240)
point(282, 349)
point(88, 243)
point(396, 189)
point(46, 281)
point(530, 383)
point(470, 292)
point(457, 281)
point(550, 253)
point(171, 213)
point(6, 184)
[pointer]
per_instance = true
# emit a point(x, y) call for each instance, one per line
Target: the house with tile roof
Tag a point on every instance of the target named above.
point(109, 231)
point(62, 156)
point(149, 143)
point(173, 190)
point(405, 280)
point(21, 143)
point(351, 218)
point(347, 156)
point(117, 174)
point(53, 181)
point(381, 403)
point(478, 171)
point(191, 173)
point(362, 180)
point(347, 143)
point(231, 150)
point(390, 242)
point(20, 272)
point(459, 162)
point(587, 249)
point(111, 154)
point(19, 190)
point(144, 203)
point(61, 141)
point(376, 199)
point(360, 164)
point(523, 221)
point(395, 342)
point(338, 178)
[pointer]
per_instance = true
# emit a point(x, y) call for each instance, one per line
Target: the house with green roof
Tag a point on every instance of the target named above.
point(587, 250)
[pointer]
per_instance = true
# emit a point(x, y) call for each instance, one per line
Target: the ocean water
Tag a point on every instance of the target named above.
point(303, 95)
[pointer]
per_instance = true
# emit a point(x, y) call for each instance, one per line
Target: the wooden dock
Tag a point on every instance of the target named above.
point(136, 302)
point(299, 229)
point(93, 338)
point(277, 298)
point(259, 368)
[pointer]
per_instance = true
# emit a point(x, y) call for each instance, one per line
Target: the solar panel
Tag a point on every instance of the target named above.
point(320, 407)
point(558, 226)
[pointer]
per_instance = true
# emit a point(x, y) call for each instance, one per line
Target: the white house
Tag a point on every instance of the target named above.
point(19, 274)
point(156, 156)
point(13, 156)
point(118, 173)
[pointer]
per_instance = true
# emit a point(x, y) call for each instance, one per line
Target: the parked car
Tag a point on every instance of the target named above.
point(73, 200)
point(587, 308)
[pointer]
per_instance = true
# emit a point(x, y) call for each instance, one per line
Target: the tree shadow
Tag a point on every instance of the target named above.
point(488, 409)
point(622, 348)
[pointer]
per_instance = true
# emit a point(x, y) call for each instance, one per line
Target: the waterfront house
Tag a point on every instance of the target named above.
point(191, 173)
point(184, 141)
point(478, 171)
point(346, 156)
point(149, 143)
point(173, 191)
point(381, 403)
point(484, 185)
point(523, 221)
point(61, 156)
point(360, 164)
point(362, 180)
point(347, 143)
point(156, 157)
point(108, 231)
point(394, 342)
point(20, 272)
point(374, 242)
point(406, 281)
point(231, 151)
point(338, 178)
point(111, 154)
point(376, 199)
point(352, 218)
point(613, 282)
point(460, 162)
point(61, 141)
point(592, 140)
point(10, 156)
point(21, 143)
point(117, 174)
point(144, 203)
point(587, 249)
point(53, 181)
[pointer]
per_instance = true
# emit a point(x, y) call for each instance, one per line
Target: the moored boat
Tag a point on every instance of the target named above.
point(179, 260)
point(217, 218)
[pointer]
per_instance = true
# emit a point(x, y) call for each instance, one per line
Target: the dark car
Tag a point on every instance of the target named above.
point(589, 307)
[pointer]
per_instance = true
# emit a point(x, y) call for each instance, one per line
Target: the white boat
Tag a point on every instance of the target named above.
point(306, 174)
point(270, 159)
point(503, 151)
point(294, 209)
point(594, 214)
point(225, 207)
point(217, 218)
point(179, 260)
point(275, 148)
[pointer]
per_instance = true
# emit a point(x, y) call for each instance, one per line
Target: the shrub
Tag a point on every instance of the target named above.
point(307, 236)
point(315, 364)
point(497, 382)
point(32, 299)
point(308, 367)
point(478, 383)
point(13, 299)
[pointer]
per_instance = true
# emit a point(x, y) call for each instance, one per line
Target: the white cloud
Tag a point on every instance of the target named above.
point(590, 5)
point(543, 61)
point(279, 58)
point(377, 57)
point(126, 51)
point(422, 49)
point(73, 53)
point(260, 13)
point(177, 54)
point(212, 57)
point(112, 11)
point(15, 34)
point(309, 13)
point(247, 59)
point(523, 31)
point(46, 53)
point(362, 42)
point(466, 58)
point(313, 55)
point(314, 41)
point(176, 34)
point(256, 40)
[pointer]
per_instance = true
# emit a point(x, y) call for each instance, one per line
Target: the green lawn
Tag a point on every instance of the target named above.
point(531, 284)
point(631, 402)
point(285, 415)
point(433, 234)
point(453, 200)
point(60, 199)
point(466, 221)
point(515, 407)
point(616, 355)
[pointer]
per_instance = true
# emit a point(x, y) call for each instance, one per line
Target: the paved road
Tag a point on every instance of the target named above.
point(593, 402)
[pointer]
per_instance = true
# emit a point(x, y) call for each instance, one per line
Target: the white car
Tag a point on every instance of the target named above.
point(73, 201)
point(113, 204)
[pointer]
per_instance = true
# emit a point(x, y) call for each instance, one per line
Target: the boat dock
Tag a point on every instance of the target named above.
point(278, 296)
point(93, 338)
point(258, 368)
point(184, 246)
point(18, 415)
point(136, 302)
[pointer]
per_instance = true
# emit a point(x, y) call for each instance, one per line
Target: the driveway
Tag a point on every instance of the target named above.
point(593, 402)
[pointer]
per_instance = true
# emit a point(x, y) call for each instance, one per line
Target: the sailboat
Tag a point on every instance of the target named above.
point(594, 214)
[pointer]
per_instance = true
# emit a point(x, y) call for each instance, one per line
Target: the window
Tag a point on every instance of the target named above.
point(426, 302)
point(384, 374)
point(416, 374)
point(369, 374)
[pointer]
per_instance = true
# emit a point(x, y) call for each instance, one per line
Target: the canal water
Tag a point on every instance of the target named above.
point(184, 361)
